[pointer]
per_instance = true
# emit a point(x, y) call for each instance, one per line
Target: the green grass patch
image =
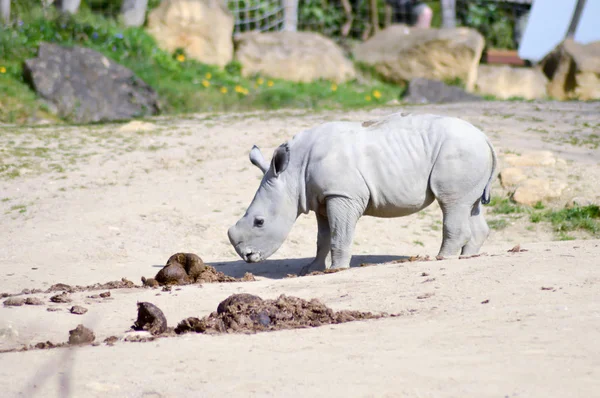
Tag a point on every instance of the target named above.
point(585, 218)
point(498, 224)
point(183, 84)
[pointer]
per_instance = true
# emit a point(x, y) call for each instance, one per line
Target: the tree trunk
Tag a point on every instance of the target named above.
point(290, 15)
point(133, 12)
point(374, 16)
point(70, 6)
point(5, 11)
point(448, 13)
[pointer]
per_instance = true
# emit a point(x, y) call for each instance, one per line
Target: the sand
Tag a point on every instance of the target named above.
point(120, 203)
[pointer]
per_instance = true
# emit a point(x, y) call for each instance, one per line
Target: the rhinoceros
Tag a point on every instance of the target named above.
point(393, 167)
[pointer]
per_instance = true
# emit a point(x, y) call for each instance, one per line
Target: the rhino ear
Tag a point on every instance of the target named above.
point(281, 159)
point(258, 160)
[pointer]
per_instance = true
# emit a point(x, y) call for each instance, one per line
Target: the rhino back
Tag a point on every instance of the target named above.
point(387, 163)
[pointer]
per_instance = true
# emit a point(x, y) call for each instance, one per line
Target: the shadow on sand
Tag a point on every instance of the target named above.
point(278, 269)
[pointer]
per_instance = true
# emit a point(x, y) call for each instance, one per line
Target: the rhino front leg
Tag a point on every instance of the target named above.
point(343, 214)
point(323, 246)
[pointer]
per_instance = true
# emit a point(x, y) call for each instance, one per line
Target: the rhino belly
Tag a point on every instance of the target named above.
point(398, 191)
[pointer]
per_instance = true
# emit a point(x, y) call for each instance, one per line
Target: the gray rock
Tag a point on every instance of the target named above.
point(85, 86)
point(421, 91)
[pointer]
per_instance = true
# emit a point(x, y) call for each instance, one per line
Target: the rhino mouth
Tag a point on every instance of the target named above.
point(252, 256)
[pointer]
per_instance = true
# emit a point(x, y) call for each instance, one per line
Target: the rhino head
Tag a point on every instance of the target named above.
point(272, 212)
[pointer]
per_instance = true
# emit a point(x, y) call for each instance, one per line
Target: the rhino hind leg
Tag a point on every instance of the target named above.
point(323, 246)
point(479, 231)
point(456, 229)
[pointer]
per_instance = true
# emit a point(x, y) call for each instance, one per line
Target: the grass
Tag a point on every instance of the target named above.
point(183, 84)
point(578, 218)
point(585, 218)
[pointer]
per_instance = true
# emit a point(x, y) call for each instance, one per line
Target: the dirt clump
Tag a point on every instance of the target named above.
point(124, 283)
point(61, 298)
point(33, 301)
point(111, 340)
point(81, 335)
point(150, 318)
point(187, 268)
point(78, 310)
point(14, 302)
point(247, 313)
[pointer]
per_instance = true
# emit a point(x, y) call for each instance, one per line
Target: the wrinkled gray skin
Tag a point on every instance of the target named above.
point(389, 168)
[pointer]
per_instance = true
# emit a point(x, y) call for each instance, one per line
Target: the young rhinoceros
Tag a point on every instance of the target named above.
point(390, 168)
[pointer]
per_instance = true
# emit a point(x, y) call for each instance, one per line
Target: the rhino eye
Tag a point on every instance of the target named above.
point(259, 222)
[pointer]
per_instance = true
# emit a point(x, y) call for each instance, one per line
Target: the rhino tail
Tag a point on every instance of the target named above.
point(487, 191)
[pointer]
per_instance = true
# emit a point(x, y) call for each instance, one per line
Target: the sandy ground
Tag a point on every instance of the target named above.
point(107, 202)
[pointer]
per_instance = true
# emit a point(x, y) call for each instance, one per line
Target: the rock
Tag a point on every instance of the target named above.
point(14, 302)
point(511, 177)
point(531, 158)
point(81, 335)
point(135, 126)
point(505, 82)
point(33, 301)
point(293, 56)
point(61, 298)
point(421, 90)
point(573, 70)
point(78, 310)
point(85, 86)
point(400, 53)
point(203, 28)
point(579, 202)
point(534, 190)
point(150, 318)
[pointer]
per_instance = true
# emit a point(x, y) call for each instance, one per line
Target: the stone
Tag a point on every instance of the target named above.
point(400, 53)
point(81, 335)
point(573, 70)
point(421, 90)
point(534, 190)
point(14, 302)
point(85, 86)
point(78, 310)
point(136, 125)
point(504, 82)
point(531, 158)
point(511, 177)
point(579, 201)
point(293, 56)
point(202, 28)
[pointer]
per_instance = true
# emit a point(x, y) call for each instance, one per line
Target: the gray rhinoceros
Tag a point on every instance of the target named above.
point(388, 168)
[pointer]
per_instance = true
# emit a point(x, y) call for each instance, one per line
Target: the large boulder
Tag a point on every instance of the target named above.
point(294, 56)
point(505, 82)
point(422, 91)
point(400, 53)
point(573, 70)
point(203, 28)
point(85, 86)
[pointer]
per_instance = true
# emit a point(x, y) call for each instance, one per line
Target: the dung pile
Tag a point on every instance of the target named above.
point(246, 313)
point(186, 268)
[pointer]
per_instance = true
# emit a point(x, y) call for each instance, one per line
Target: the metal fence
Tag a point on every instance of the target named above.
point(501, 22)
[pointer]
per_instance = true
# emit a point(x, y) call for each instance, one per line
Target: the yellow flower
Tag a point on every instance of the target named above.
point(376, 94)
point(224, 90)
point(270, 83)
point(205, 83)
point(208, 76)
point(334, 87)
point(2, 69)
point(260, 81)
point(181, 58)
point(368, 98)
point(241, 90)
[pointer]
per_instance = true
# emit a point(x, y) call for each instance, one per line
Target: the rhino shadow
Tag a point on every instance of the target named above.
point(279, 269)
